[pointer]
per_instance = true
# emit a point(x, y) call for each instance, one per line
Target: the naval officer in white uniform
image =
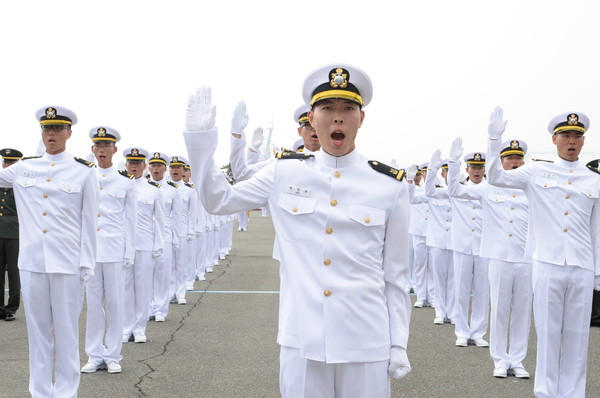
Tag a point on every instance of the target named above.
point(564, 218)
point(342, 230)
point(57, 202)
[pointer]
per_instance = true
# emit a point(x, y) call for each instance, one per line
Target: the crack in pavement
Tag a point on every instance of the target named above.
point(148, 376)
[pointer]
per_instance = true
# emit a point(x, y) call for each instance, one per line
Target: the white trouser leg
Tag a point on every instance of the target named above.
point(143, 271)
point(243, 220)
point(520, 319)
point(179, 272)
point(420, 267)
point(463, 279)
point(190, 260)
point(162, 281)
point(480, 303)
point(441, 280)
point(44, 295)
point(562, 302)
point(302, 378)
point(501, 276)
point(201, 255)
point(105, 308)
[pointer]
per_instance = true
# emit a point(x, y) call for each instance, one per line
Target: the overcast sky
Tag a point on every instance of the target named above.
point(438, 68)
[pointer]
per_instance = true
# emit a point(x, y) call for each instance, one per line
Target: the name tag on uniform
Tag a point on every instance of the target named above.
point(299, 191)
point(549, 175)
point(28, 174)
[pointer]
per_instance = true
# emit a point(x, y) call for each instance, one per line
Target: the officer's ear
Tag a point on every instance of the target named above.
point(115, 149)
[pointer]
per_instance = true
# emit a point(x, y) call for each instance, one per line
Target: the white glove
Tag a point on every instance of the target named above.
point(208, 229)
point(128, 263)
point(456, 150)
point(157, 253)
point(239, 121)
point(175, 246)
point(200, 113)
point(411, 172)
point(86, 274)
point(436, 160)
point(190, 237)
point(257, 139)
point(497, 124)
point(597, 282)
point(399, 365)
point(198, 234)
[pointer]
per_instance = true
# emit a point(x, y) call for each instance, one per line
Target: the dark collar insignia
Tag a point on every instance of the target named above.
point(83, 161)
point(124, 173)
point(154, 183)
point(387, 170)
point(293, 155)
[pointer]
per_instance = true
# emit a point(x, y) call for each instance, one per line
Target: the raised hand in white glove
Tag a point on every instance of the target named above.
point(436, 160)
point(239, 121)
point(456, 150)
point(157, 253)
point(86, 274)
point(497, 124)
point(411, 172)
point(175, 246)
point(200, 113)
point(394, 163)
point(597, 282)
point(190, 237)
point(399, 365)
point(257, 139)
point(127, 263)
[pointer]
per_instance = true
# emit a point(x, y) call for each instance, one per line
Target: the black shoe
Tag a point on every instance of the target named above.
point(9, 317)
point(151, 318)
point(2, 315)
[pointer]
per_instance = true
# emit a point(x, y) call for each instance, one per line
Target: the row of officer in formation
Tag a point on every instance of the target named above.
point(132, 242)
point(523, 239)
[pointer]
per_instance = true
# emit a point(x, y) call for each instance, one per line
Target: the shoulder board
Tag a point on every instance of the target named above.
point(126, 174)
point(438, 186)
point(30, 157)
point(593, 165)
point(543, 160)
point(387, 170)
point(83, 161)
point(293, 155)
point(156, 184)
point(171, 183)
point(187, 184)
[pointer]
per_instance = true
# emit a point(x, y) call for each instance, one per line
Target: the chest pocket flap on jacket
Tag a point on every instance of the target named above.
point(26, 181)
point(367, 216)
point(296, 205)
point(71, 188)
point(545, 182)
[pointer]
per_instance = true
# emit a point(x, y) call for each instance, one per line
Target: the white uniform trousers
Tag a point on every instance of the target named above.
point(510, 315)
point(213, 248)
point(138, 293)
point(562, 307)
point(52, 306)
point(161, 282)
point(225, 238)
point(201, 254)
point(178, 272)
point(242, 220)
point(190, 249)
point(423, 274)
point(410, 278)
point(443, 282)
point(105, 292)
point(471, 275)
point(304, 378)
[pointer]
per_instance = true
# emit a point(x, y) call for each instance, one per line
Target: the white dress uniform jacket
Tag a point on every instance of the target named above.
point(117, 217)
point(151, 217)
point(59, 235)
point(342, 230)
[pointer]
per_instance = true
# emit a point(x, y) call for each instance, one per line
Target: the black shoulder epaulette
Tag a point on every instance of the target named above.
point(543, 160)
point(156, 184)
point(83, 161)
point(187, 184)
point(293, 155)
point(438, 186)
point(593, 165)
point(171, 183)
point(388, 170)
point(30, 157)
point(126, 174)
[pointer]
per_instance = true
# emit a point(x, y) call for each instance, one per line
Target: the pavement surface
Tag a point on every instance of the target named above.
point(222, 344)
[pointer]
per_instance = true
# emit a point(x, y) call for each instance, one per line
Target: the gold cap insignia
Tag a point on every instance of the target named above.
point(174, 159)
point(514, 144)
point(101, 132)
point(8, 151)
point(339, 78)
point(156, 155)
point(573, 119)
point(135, 152)
point(477, 157)
point(50, 113)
